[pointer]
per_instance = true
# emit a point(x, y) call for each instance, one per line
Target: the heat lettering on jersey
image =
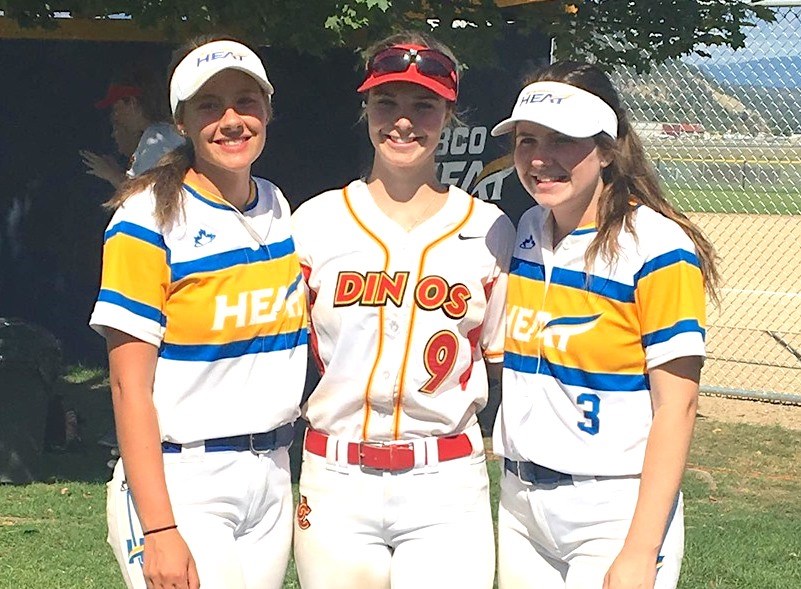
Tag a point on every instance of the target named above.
point(524, 324)
point(375, 289)
point(254, 307)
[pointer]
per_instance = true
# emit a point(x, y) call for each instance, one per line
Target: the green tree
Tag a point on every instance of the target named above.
point(630, 32)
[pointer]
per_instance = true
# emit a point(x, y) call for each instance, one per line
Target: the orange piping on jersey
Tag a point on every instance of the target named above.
point(380, 346)
point(402, 379)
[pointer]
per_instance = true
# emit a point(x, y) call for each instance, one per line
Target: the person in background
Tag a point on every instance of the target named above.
point(604, 347)
point(206, 327)
point(140, 126)
point(142, 129)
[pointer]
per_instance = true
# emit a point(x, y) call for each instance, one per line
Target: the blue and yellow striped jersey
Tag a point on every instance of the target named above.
point(579, 344)
point(218, 293)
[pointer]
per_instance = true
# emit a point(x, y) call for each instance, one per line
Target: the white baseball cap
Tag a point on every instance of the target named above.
point(202, 63)
point(564, 108)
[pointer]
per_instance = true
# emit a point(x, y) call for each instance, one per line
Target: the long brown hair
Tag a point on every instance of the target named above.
point(166, 178)
point(629, 177)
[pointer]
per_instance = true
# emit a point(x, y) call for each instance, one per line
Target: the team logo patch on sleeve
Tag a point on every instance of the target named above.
point(303, 512)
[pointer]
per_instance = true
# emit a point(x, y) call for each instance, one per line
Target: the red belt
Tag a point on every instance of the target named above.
point(393, 456)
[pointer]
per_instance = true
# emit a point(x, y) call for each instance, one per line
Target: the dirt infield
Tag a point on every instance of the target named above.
point(754, 337)
point(752, 412)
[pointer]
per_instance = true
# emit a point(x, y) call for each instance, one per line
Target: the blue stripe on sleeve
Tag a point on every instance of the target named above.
point(137, 231)
point(665, 260)
point(148, 312)
point(662, 335)
point(257, 345)
point(576, 377)
point(232, 258)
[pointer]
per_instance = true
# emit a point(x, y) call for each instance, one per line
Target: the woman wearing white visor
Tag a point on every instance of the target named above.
point(206, 331)
point(604, 348)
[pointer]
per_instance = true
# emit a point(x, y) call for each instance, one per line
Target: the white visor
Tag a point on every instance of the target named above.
point(564, 108)
point(204, 62)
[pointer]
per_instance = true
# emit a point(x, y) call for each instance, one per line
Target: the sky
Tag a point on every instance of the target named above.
point(778, 39)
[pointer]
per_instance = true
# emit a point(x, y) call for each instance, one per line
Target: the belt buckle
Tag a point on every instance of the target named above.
point(362, 445)
point(394, 456)
point(253, 449)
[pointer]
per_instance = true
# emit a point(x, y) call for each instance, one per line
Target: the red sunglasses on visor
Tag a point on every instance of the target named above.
point(432, 69)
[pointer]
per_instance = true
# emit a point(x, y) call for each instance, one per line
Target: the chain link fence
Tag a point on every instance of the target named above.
point(724, 133)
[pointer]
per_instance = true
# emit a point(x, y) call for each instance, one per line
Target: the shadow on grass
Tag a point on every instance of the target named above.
point(82, 458)
point(85, 460)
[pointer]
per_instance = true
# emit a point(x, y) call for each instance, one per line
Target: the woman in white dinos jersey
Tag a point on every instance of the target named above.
point(205, 322)
point(406, 282)
point(605, 343)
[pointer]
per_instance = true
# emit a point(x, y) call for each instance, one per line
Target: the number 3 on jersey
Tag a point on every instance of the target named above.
point(592, 425)
point(439, 357)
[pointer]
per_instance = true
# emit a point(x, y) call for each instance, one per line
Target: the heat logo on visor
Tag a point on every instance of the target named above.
point(538, 97)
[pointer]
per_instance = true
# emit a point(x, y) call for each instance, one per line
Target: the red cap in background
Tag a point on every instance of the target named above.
point(117, 92)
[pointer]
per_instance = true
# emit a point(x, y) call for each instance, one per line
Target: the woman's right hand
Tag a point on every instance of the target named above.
point(168, 564)
point(104, 167)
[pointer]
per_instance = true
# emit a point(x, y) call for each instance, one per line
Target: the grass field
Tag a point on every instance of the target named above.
point(742, 497)
point(737, 178)
point(751, 200)
point(690, 150)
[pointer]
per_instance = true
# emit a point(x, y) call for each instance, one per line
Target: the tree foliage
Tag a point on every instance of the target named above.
point(631, 32)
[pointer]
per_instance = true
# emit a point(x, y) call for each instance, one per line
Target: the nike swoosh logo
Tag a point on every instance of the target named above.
point(460, 236)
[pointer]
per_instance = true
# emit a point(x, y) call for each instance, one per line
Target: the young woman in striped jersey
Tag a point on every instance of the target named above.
point(604, 348)
point(206, 329)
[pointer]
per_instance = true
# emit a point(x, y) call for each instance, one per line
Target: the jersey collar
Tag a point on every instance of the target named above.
point(192, 184)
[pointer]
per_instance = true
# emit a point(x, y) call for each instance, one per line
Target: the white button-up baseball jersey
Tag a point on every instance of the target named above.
point(401, 321)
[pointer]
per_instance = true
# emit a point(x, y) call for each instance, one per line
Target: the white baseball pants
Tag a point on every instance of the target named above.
point(233, 509)
point(429, 527)
point(567, 536)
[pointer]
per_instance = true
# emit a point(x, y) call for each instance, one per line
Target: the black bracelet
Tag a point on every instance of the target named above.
point(157, 530)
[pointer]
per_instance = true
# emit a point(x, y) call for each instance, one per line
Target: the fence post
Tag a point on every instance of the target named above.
point(744, 169)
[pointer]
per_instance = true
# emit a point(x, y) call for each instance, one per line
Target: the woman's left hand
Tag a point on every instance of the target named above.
point(631, 571)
